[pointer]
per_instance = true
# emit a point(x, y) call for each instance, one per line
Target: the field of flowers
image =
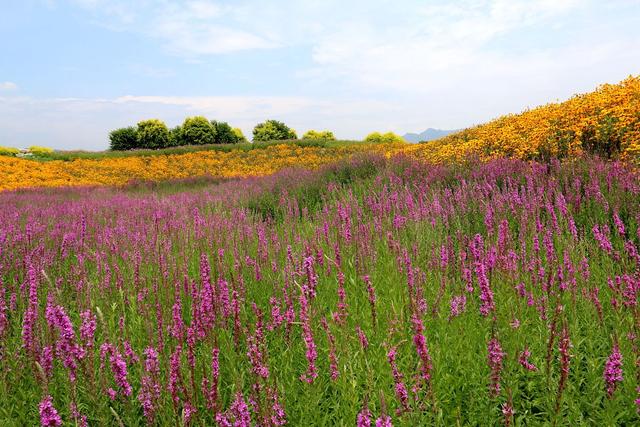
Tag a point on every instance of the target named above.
point(22, 173)
point(374, 291)
point(604, 122)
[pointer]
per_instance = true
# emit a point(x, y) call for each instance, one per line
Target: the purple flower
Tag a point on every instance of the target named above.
point(458, 305)
point(364, 418)
point(364, 342)
point(400, 388)
point(384, 421)
point(523, 359)
point(494, 359)
point(613, 370)
point(48, 414)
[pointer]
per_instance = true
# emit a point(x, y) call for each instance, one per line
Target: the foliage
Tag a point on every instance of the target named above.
point(240, 138)
point(224, 133)
point(198, 131)
point(323, 135)
point(384, 138)
point(176, 137)
point(123, 139)
point(39, 151)
point(8, 151)
point(152, 134)
point(272, 130)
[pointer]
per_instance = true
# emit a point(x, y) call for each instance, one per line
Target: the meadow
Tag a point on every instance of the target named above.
point(605, 122)
point(375, 290)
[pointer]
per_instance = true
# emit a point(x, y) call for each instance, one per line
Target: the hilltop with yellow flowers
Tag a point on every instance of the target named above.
point(604, 122)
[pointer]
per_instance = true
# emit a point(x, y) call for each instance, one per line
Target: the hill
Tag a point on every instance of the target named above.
point(605, 122)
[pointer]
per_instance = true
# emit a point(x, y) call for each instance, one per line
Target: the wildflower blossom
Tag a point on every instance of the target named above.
point(613, 370)
point(48, 415)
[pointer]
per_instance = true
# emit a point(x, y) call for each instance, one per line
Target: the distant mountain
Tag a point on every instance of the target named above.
point(427, 135)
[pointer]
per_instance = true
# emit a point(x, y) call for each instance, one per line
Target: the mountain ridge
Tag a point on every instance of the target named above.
point(428, 135)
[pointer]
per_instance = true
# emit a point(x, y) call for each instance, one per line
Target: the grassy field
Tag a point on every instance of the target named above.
point(479, 294)
point(225, 148)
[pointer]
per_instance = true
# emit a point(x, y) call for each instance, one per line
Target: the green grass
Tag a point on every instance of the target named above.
point(254, 234)
point(247, 146)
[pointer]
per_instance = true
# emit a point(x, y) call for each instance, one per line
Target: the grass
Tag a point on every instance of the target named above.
point(130, 256)
point(247, 146)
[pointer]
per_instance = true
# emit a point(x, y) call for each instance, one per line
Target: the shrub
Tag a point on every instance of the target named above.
point(324, 135)
point(273, 130)
point(175, 137)
point(224, 133)
point(9, 151)
point(152, 134)
point(239, 135)
point(198, 131)
point(40, 151)
point(389, 137)
point(123, 139)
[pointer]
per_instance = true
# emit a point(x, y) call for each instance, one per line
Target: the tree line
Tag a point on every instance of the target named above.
point(154, 134)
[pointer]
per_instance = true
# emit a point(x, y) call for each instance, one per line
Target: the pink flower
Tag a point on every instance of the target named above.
point(400, 388)
point(613, 370)
point(420, 343)
point(48, 414)
point(372, 297)
point(364, 342)
point(494, 359)
point(458, 305)
point(384, 421)
point(523, 359)
point(307, 336)
point(364, 418)
point(240, 412)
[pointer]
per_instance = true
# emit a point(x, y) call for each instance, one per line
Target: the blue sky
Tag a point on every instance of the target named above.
point(71, 70)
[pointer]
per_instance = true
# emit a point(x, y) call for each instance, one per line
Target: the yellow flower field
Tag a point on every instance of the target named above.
point(19, 173)
point(606, 121)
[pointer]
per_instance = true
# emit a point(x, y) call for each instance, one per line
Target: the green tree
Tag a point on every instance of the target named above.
point(325, 135)
point(389, 137)
point(273, 130)
point(152, 134)
point(224, 133)
point(198, 131)
point(175, 137)
point(123, 139)
point(239, 135)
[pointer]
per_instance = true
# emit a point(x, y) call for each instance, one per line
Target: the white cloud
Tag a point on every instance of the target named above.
point(8, 86)
point(188, 28)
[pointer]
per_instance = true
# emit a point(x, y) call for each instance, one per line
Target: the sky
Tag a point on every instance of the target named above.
point(72, 70)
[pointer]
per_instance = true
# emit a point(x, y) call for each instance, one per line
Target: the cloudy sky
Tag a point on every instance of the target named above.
point(71, 70)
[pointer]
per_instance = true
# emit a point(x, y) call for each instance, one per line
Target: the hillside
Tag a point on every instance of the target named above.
point(604, 122)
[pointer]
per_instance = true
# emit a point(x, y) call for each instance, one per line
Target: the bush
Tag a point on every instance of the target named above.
point(40, 151)
point(9, 151)
point(152, 134)
point(239, 135)
point(385, 138)
point(198, 131)
point(323, 135)
point(273, 130)
point(123, 139)
point(224, 133)
point(176, 138)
